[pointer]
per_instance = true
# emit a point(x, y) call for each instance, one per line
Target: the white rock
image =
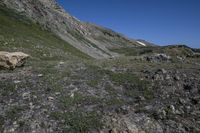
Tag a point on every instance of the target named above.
point(17, 81)
point(12, 60)
point(40, 75)
point(51, 99)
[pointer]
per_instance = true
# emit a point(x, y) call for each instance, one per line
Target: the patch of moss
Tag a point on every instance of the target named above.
point(7, 88)
point(114, 101)
point(14, 112)
point(1, 123)
point(93, 83)
point(19, 33)
point(79, 120)
point(133, 85)
point(78, 99)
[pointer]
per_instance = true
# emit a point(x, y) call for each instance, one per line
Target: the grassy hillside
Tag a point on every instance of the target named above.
point(17, 33)
point(173, 50)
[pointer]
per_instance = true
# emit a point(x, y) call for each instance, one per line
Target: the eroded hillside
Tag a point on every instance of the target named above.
point(88, 38)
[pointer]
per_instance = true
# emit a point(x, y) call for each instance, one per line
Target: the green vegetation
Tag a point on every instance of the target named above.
point(78, 99)
point(114, 101)
point(93, 83)
point(134, 51)
point(19, 33)
point(134, 86)
point(79, 120)
point(6, 88)
point(175, 50)
point(1, 123)
point(14, 112)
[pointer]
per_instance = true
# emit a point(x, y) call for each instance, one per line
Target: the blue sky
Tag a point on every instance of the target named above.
point(159, 21)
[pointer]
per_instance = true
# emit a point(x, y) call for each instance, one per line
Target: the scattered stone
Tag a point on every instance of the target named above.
point(61, 63)
point(26, 95)
point(177, 78)
point(157, 58)
point(172, 109)
point(40, 75)
point(72, 95)
point(168, 77)
point(195, 55)
point(57, 93)
point(158, 77)
point(114, 130)
point(187, 87)
point(164, 71)
point(17, 81)
point(50, 99)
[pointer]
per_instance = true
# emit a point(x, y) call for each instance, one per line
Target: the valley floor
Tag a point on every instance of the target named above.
point(124, 94)
point(61, 89)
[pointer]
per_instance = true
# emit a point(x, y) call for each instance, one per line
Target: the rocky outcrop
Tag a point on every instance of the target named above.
point(12, 60)
point(158, 58)
point(132, 123)
point(88, 38)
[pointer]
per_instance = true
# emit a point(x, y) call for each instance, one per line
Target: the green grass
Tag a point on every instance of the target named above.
point(133, 85)
point(17, 33)
point(7, 88)
point(79, 120)
point(1, 123)
point(78, 99)
point(114, 101)
point(14, 112)
point(172, 50)
point(93, 83)
point(134, 51)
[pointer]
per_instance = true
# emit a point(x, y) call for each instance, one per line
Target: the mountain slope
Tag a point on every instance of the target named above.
point(21, 34)
point(89, 38)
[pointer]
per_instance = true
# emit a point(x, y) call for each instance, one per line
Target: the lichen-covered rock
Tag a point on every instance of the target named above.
point(12, 60)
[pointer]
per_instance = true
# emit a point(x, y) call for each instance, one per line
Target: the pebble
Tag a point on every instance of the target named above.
point(172, 108)
point(51, 99)
point(164, 71)
point(61, 63)
point(57, 93)
point(72, 95)
point(168, 77)
point(17, 81)
point(40, 75)
point(26, 95)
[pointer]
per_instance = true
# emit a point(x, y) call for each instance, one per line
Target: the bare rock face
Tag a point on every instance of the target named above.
point(12, 60)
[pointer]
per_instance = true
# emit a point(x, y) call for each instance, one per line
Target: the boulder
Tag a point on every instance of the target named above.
point(12, 60)
point(157, 58)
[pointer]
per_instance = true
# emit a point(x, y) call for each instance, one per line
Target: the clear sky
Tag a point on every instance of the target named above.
point(159, 21)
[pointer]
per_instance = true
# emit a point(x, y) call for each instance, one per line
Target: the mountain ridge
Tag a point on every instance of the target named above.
point(88, 38)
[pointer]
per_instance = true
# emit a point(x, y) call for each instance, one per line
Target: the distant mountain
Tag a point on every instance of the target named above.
point(88, 38)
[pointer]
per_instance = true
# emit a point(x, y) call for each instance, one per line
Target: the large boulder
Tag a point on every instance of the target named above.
point(11, 60)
